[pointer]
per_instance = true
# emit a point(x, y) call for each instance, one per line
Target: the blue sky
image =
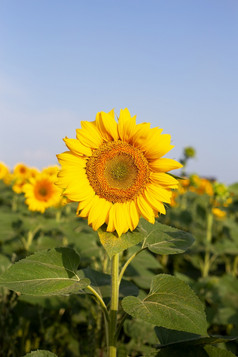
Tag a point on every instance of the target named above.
point(174, 63)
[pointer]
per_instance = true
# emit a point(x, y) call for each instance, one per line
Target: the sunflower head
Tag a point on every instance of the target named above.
point(41, 193)
point(218, 213)
point(21, 171)
point(115, 171)
point(51, 170)
point(4, 170)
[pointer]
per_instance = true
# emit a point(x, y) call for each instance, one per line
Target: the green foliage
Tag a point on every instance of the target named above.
point(141, 269)
point(48, 273)
point(233, 188)
point(194, 351)
point(62, 316)
point(101, 282)
point(162, 239)
point(114, 244)
point(158, 238)
point(40, 353)
point(169, 337)
point(170, 303)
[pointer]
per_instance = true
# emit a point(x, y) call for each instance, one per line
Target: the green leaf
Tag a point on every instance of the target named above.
point(114, 244)
point(193, 351)
point(169, 337)
point(217, 352)
point(233, 188)
point(52, 272)
point(159, 238)
point(102, 283)
point(171, 303)
point(9, 221)
point(183, 351)
point(163, 239)
point(40, 353)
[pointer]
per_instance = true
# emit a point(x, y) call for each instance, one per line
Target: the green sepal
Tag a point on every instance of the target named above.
point(114, 244)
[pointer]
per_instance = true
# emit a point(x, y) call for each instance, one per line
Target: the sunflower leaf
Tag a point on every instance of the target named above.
point(163, 239)
point(158, 238)
point(40, 353)
point(213, 351)
point(52, 272)
point(169, 337)
point(171, 303)
point(193, 351)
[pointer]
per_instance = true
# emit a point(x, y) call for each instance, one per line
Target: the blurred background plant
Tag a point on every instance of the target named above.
point(66, 325)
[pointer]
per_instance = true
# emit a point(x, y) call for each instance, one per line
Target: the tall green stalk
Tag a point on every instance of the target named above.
point(207, 260)
point(114, 305)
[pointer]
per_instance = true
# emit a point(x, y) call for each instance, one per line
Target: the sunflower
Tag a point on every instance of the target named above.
point(33, 172)
point(51, 170)
point(4, 170)
point(41, 193)
point(21, 171)
point(116, 171)
point(218, 213)
point(18, 185)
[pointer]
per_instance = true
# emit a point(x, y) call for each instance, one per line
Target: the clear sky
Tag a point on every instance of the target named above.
point(174, 63)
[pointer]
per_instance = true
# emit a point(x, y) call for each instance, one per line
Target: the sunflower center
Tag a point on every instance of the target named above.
point(120, 171)
point(22, 170)
point(43, 190)
point(117, 171)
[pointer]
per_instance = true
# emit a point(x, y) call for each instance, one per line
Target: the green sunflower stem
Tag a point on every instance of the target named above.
point(127, 263)
point(58, 215)
point(114, 305)
point(207, 259)
point(104, 310)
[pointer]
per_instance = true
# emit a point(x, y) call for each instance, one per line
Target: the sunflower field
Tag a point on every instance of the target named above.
point(177, 286)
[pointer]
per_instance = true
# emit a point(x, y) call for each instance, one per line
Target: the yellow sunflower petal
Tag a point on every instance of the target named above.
point(164, 165)
point(107, 125)
point(126, 125)
point(162, 193)
point(76, 147)
point(163, 179)
point(142, 131)
point(145, 209)
point(79, 192)
point(69, 159)
point(89, 135)
point(111, 220)
point(82, 205)
point(133, 214)
point(99, 212)
point(74, 173)
point(120, 220)
point(154, 201)
point(74, 177)
point(157, 146)
point(151, 141)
